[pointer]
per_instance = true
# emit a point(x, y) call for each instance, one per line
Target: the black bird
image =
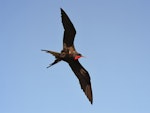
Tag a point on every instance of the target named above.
point(71, 56)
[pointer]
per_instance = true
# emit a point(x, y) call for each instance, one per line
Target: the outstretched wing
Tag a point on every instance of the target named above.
point(83, 77)
point(69, 31)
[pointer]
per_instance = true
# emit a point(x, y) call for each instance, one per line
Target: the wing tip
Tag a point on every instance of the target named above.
point(62, 11)
point(89, 94)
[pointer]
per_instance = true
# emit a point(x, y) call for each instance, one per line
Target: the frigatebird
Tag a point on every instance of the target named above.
point(71, 56)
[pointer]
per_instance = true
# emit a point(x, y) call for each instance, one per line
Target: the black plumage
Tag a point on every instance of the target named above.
point(71, 56)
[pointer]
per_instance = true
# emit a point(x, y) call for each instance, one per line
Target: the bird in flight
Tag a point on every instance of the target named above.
point(71, 56)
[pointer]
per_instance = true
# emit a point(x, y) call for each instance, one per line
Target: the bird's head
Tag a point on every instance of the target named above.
point(78, 56)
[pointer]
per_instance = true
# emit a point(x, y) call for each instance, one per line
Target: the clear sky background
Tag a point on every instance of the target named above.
point(114, 35)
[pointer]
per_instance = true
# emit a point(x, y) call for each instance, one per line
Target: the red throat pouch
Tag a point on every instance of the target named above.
point(77, 57)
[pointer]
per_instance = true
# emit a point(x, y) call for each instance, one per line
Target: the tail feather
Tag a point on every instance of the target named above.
point(56, 54)
point(56, 61)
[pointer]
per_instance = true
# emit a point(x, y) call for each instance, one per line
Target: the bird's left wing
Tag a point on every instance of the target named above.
point(83, 77)
point(69, 31)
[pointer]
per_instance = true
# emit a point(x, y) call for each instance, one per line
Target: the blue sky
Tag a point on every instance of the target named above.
point(114, 35)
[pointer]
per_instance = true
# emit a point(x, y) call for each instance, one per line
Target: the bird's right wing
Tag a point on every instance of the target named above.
point(83, 77)
point(69, 31)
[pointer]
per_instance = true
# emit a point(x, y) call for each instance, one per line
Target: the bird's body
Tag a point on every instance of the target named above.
point(71, 56)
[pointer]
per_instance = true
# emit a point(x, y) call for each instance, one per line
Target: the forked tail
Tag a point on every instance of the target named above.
point(56, 54)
